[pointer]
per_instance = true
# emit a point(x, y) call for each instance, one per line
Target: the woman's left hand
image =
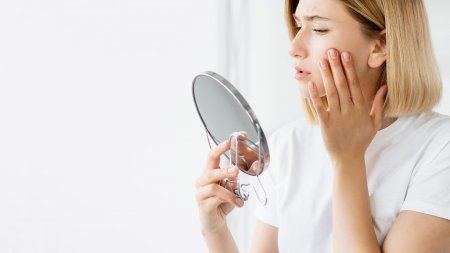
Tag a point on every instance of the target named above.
point(347, 125)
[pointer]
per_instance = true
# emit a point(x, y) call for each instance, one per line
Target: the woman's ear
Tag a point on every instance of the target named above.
point(378, 51)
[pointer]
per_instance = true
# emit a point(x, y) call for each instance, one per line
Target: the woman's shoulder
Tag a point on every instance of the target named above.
point(428, 134)
point(433, 124)
point(437, 119)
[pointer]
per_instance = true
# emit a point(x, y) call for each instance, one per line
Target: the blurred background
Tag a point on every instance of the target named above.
point(100, 142)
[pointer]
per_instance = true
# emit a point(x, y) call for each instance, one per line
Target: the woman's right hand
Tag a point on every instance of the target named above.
point(215, 201)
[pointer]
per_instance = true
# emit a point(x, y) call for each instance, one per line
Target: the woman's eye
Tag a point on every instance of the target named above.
point(320, 30)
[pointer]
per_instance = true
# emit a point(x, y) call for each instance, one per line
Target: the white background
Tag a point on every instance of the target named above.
point(100, 143)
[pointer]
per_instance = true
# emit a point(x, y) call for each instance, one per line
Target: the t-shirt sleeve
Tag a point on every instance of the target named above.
point(268, 213)
point(429, 190)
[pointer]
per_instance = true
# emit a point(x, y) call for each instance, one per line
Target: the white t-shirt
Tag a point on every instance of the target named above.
point(408, 168)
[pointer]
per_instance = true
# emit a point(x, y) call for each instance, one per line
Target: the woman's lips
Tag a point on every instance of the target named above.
point(301, 74)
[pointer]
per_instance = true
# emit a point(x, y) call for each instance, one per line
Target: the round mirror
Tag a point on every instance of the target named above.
point(224, 112)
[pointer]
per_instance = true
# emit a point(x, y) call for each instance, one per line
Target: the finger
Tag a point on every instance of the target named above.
point(317, 102)
point(213, 160)
point(214, 176)
point(339, 79)
point(227, 207)
point(214, 190)
point(230, 184)
point(352, 80)
point(211, 205)
point(330, 88)
point(378, 107)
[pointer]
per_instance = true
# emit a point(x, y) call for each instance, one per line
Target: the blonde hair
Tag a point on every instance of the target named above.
point(410, 70)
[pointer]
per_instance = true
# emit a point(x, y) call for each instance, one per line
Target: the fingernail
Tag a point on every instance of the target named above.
point(224, 143)
point(332, 53)
point(323, 64)
point(239, 202)
point(346, 56)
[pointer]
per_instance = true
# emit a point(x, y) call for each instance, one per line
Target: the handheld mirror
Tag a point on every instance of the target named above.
point(225, 114)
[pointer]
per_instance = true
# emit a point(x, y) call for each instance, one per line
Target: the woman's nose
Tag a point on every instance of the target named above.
point(291, 52)
point(297, 47)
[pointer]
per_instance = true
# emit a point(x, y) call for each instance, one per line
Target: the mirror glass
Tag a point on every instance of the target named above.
point(224, 111)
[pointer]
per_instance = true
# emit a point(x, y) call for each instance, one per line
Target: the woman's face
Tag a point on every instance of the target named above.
point(327, 24)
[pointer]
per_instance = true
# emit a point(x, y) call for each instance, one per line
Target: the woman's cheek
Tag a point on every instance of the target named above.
point(317, 76)
point(320, 52)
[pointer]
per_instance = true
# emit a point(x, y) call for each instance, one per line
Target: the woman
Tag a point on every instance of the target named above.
point(373, 175)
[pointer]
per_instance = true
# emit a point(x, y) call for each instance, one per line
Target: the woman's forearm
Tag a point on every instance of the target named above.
point(220, 241)
point(352, 221)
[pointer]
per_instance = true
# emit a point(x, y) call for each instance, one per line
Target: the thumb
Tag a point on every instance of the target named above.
point(378, 107)
point(227, 207)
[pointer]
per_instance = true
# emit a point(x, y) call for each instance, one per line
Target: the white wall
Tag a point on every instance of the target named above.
point(273, 91)
point(440, 34)
point(100, 142)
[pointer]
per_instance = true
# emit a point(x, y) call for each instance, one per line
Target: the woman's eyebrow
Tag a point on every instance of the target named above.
point(311, 18)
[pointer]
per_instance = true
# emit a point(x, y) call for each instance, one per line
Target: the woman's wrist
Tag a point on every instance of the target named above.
point(349, 163)
point(220, 240)
point(218, 231)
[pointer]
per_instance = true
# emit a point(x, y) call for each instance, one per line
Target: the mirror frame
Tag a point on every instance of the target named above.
point(245, 106)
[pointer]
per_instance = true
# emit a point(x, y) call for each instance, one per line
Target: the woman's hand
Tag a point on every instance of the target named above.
point(214, 201)
point(347, 125)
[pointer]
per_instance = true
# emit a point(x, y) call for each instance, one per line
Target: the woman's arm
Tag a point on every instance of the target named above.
point(415, 232)
point(352, 220)
point(265, 238)
point(220, 241)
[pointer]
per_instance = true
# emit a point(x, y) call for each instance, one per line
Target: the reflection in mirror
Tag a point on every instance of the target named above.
point(244, 153)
